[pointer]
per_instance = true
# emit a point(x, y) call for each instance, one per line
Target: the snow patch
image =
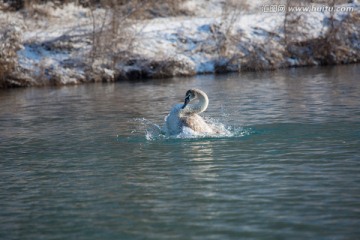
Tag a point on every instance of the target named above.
point(61, 45)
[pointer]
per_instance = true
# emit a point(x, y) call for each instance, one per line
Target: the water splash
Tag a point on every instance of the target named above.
point(153, 131)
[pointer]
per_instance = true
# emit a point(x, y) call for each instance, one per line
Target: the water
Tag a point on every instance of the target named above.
point(88, 162)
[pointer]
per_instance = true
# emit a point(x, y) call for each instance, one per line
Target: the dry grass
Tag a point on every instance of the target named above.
point(150, 9)
point(112, 37)
point(332, 47)
point(224, 38)
point(10, 43)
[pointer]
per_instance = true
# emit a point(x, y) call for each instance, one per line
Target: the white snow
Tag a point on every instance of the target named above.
point(195, 41)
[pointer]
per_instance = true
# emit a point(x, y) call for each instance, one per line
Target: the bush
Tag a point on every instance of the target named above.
point(149, 8)
point(332, 47)
point(10, 43)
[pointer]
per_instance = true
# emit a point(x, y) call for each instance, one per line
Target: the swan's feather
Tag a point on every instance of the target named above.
point(196, 123)
point(185, 115)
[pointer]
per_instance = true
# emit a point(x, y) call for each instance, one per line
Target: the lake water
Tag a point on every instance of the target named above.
point(88, 162)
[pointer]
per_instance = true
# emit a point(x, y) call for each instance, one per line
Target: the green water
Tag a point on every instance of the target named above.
point(87, 162)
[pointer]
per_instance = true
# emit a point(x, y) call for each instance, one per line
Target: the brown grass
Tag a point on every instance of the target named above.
point(10, 43)
point(332, 47)
point(151, 8)
point(111, 38)
point(113, 35)
point(225, 40)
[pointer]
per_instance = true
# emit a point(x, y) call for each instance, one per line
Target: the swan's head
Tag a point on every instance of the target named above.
point(189, 96)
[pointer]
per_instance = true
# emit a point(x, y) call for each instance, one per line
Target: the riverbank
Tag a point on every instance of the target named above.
point(72, 44)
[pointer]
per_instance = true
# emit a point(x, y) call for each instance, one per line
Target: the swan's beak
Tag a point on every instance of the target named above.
point(187, 100)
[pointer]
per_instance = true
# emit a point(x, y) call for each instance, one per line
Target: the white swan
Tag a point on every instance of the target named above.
point(186, 115)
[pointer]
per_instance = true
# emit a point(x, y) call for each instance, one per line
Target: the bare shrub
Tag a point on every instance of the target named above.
point(10, 43)
point(114, 31)
point(330, 47)
point(112, 35)
point(14, 5)
point(231, 11)
point(169, 67)
point(225, 38)
point(165, 8)
point(334, 46)
point(36, 11)
point(149, 8)
point(266, 55)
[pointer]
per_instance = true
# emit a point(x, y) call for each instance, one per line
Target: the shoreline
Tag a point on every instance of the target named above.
point(93, 46)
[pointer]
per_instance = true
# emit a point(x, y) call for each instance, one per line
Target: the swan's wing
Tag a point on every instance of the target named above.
point(172, 121)
point(196, 123)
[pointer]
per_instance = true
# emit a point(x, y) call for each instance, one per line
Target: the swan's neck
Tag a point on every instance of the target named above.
point(200, 106)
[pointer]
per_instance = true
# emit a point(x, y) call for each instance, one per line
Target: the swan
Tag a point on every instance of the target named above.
point(186, 115)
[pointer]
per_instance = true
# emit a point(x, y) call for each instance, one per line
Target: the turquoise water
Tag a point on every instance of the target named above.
point(88, 162)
